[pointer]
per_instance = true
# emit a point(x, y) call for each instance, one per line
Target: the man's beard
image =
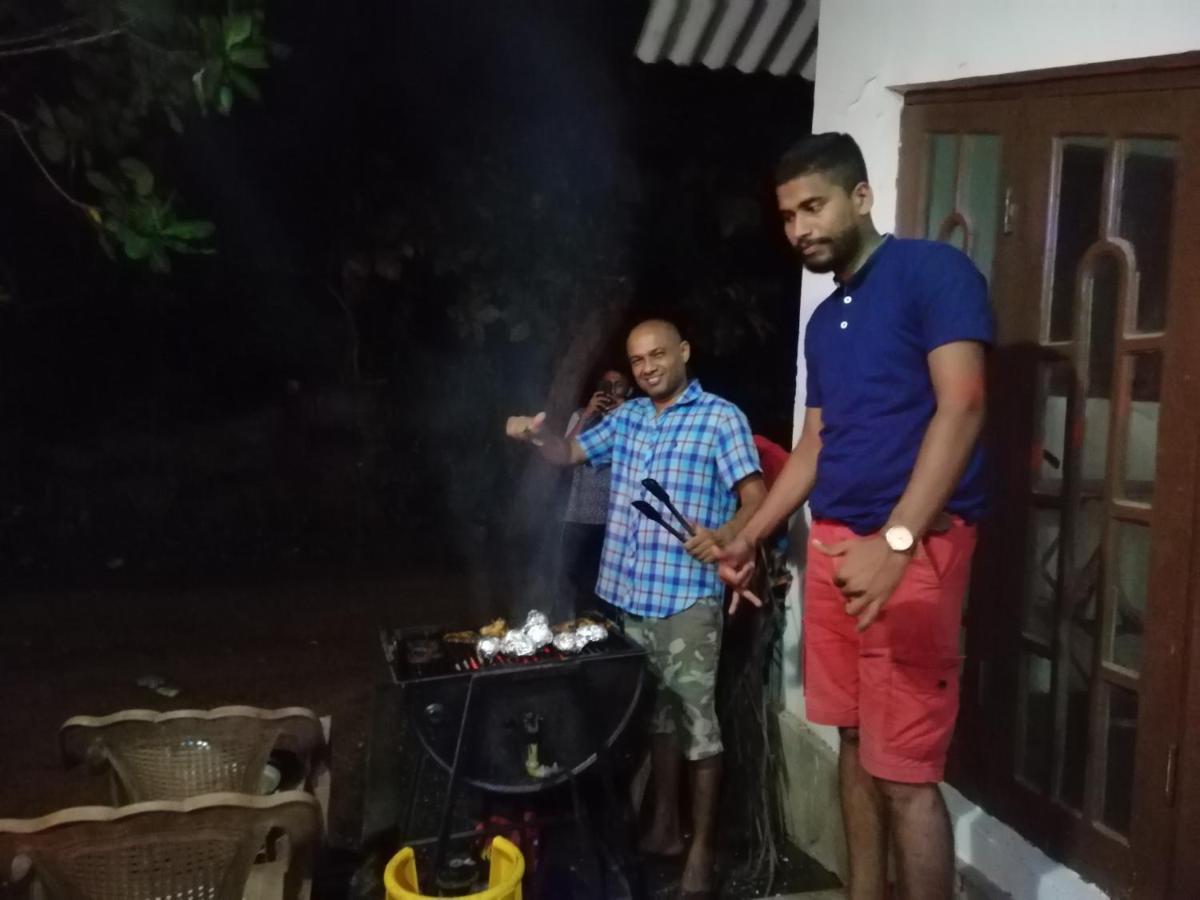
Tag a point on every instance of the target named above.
point(843, 249)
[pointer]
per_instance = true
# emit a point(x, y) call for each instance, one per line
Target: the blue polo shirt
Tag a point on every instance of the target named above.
point(866, 348)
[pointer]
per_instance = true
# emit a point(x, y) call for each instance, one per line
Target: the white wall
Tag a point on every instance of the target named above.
point(867, 47)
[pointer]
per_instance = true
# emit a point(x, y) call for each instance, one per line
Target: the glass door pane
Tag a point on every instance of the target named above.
point(963, 199)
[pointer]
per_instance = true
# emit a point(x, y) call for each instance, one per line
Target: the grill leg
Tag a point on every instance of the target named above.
point(464, 728)
point(412, 801)
point(587, 838)
point(626, 823)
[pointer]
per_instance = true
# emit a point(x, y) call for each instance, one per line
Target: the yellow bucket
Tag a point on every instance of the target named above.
point(504, 877)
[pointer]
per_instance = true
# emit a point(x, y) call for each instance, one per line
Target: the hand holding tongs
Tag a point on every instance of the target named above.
point(660, 493)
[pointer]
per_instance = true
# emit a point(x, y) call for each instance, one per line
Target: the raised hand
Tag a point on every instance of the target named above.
point(525, 428)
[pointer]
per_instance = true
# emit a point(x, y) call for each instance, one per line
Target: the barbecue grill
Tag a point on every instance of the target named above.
point(486, 714)
point(515, 725)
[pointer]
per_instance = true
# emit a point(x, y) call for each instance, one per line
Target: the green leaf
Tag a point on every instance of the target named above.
point(237, 29)
point(519, 332)
point(225, 100)
point(173, 120)
point(53, 144)
point(249, 57)
point(201, 93)
point(101, 182)
point(138, 174)
point(245, 85)
point(137, 246)
point(190, 229)
point(214, 76)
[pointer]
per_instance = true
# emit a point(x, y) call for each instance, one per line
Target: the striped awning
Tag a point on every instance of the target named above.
point(776, 36)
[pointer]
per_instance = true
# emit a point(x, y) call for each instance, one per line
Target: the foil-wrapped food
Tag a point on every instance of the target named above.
point(487, 648)
point(568, 642)
point(575, 638)
point(538, 630)
point(591, 632)
point(536, 633)
point(517, 643)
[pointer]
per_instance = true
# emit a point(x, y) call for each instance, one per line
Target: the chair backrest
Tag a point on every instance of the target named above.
point(180, 754)
point(162, 850)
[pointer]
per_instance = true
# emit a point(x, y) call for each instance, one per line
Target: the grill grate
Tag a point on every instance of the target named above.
point(418, 653)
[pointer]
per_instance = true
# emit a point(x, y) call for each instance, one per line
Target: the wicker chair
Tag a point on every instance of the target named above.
point(181, 754)
point(204, 847)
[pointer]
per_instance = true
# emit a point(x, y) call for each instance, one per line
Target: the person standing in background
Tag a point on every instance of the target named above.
point(587, 506)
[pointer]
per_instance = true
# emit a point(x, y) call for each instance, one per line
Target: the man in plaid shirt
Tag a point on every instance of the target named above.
point(699, 448)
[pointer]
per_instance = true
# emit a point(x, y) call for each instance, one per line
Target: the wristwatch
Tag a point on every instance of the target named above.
point(899, 538)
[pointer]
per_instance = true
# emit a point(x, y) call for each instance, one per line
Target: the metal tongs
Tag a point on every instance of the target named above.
point(660, 493)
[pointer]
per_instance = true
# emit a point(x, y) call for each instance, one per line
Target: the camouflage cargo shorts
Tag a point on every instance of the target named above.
point(682, 651)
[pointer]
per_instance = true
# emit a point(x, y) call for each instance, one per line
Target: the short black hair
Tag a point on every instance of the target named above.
point(832, 154)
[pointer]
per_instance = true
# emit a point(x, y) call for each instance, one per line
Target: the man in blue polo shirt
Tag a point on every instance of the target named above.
point(890, 462)
point(699, 448)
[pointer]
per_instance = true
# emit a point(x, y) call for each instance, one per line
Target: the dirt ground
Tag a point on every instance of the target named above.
point(302, 642)
point(307, 642)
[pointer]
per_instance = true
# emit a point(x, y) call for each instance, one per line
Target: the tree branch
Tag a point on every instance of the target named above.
point(42, 35)
point(62, 45)
point(19, 128)
point(152, 45)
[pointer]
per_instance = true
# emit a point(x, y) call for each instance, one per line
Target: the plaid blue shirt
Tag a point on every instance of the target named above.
point(698, 449)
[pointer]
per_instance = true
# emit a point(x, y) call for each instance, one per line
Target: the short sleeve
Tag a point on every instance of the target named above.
point(597, 441)
point(813, 397)
point(954, 299)
point(736, 454)
point(573, 421)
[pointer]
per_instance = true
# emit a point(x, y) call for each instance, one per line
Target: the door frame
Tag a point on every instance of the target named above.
point(1167, 768)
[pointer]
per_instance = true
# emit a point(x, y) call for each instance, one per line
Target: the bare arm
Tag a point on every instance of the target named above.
point(751, 491)
point(706, 543)
point(554, 449)
point(794, 484)
point(791, 488)
point(870, 570)
point(957, 372)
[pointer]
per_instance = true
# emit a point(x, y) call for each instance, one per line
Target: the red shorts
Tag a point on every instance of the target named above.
point(896, 682)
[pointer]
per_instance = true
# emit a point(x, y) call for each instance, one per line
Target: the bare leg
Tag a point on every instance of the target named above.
point(665, 836)
point(865, 812)
point(705, 777)
point(922, 838)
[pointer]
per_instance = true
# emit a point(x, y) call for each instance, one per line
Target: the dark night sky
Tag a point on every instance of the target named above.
point(93, 349)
